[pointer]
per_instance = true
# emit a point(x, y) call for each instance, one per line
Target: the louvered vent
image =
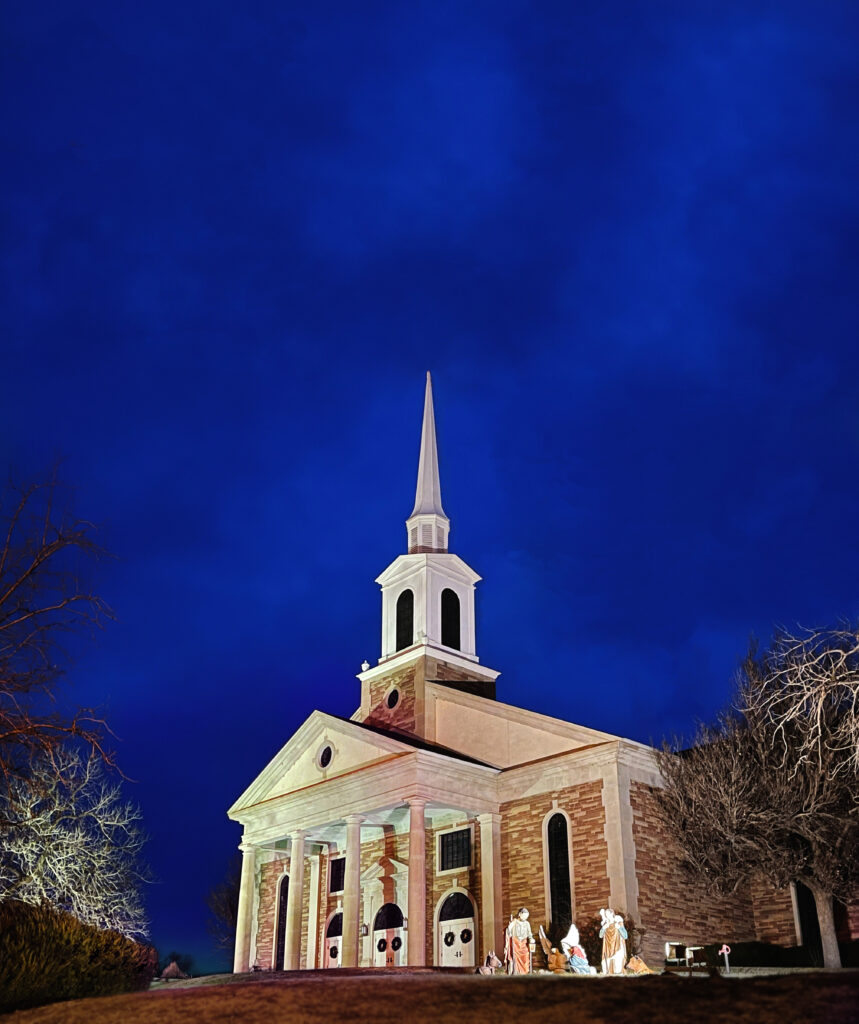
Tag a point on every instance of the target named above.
point(426, 535)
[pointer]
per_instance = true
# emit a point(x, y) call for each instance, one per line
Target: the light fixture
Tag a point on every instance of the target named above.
point(365, 929)
point(405, 924)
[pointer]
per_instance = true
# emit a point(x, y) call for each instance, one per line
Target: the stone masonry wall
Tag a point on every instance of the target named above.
point(773, 910)
point(523, 877)
point(671, 908)
point(464, 878)
point(270, 875)
point(403, 715)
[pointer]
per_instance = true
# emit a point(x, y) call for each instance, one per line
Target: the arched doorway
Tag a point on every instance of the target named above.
point(280, 942)
point(334, 941)
point(388, 939)
point(456, 931)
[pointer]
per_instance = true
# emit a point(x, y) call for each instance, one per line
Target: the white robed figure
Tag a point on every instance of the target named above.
point(614, 936)
point(577, 958)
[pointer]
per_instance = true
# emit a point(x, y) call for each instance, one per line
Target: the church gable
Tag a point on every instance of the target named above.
point(324, 748)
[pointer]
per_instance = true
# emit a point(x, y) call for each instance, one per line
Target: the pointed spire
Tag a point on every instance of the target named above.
point(428, 492)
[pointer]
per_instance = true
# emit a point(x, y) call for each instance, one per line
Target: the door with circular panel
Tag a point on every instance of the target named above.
point(456, 939)
point(389, 949)
point(334, 941)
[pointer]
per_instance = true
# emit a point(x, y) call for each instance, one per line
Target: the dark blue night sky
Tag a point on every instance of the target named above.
point(623, 236)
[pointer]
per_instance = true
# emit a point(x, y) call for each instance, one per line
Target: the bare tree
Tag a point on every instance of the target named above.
point(71, 840)
point(43, 601)
point(805, 690)
point(770, 794)
point(223, 903)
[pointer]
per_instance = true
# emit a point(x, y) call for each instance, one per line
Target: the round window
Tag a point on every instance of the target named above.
point(449, 939)
point(382, 945)
point(325, 755)
point(465, 935)
point(393, 698)
point(396, 943)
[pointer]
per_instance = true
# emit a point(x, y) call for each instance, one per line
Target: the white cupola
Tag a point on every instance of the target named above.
point(428, 594)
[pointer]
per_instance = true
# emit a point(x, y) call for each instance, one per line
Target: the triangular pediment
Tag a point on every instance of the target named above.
point(299, 763)
point(386, 867)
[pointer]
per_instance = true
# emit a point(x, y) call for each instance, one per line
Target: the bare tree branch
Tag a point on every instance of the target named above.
point(70, 839)
point(772, 788)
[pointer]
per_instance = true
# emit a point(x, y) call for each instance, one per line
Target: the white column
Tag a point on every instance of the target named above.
point(490, 881)
point(313, 912)
point(352, 891)
point(417, 912)
point(241, 959)
point(294, 903)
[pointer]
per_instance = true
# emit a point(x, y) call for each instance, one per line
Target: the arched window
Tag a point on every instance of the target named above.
point(335, 927)
point(282, 900)
point(450, 619)
point(456, 907)
point(389, 916)
point(405, 619)
point(558, 861)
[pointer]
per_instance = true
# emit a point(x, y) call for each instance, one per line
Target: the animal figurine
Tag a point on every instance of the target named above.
point(489, 964)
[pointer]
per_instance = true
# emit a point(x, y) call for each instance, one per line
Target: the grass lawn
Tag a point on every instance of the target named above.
point(381, 997)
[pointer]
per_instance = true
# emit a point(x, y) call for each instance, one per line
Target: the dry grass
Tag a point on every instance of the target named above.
point(385, 998)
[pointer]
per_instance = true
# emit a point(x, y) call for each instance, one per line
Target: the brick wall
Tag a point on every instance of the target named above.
point(671, 908)
point(403, 715)
point(463, 878)
point(270, 875)
point(523, 877)
point(773, 910)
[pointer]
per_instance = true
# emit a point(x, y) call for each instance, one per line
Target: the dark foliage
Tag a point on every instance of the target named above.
point(47, 956)
point(223, 903)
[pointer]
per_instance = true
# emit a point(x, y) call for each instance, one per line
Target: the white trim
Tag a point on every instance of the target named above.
point(462, 867)
point(435, 920)
point(277, 913)
point(555, 809)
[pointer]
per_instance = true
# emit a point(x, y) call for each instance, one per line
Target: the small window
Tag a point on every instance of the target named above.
point(323, 758)
point(393, 698)
point(456, 907)
point(338, 875)
point(405, 620)
point(455, 849)
point(389, 916)
point(450, 619)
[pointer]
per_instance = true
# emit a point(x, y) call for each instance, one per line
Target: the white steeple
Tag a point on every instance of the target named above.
point(428, 526)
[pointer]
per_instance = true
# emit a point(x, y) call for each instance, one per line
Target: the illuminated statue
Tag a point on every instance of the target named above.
point(613, 935)
point(519, 943)
point(577, 958)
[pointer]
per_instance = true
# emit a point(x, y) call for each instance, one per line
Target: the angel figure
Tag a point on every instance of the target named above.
point(614, 936)
point(518, 942)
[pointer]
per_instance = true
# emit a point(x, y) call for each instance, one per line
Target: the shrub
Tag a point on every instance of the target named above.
point(47, 955)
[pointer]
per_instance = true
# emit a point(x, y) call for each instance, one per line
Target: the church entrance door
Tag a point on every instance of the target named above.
point(456, 931)
point(389, 947)
point(334, 941)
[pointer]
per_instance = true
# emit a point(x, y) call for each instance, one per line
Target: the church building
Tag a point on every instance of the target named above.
point(409, 833)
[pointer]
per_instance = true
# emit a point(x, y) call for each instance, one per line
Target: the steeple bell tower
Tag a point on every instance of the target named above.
point(428, 636)
point(428, 594)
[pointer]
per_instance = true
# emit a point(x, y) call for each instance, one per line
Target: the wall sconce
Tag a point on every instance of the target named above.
point(405, 924)
point(365, 929)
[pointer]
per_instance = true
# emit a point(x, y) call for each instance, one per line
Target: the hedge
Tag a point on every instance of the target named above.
point(47, 955)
